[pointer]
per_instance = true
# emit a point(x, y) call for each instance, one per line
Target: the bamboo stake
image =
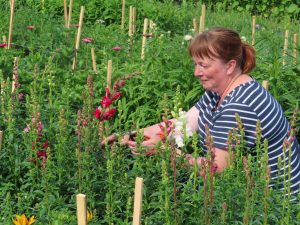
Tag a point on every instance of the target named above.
point(202, 19)
point(11, 23)
point(130, 22)
point(285, 47)
point(123, 15)
point(66, 13)
point(138, 198)
point(195, 25)
point(109, 73)
point(144, 38)
point(70, 13)
point(133, 20)
point(253, 30)
point(78, 36)
point(1, 138)
point(265, 84)
point(81, 209)
point(295, 48)
point(94, 60)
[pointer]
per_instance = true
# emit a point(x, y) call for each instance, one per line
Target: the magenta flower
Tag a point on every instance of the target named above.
point(109, 114)
point(2, 45)
point(97, 113)
point(106, 101)
point(116, 48)
point(87, 40)
point(116, 96)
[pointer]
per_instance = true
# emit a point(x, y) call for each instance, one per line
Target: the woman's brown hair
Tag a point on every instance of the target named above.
point(224, 44)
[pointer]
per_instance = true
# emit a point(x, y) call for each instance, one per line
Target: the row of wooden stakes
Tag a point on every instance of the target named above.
point(81, 201)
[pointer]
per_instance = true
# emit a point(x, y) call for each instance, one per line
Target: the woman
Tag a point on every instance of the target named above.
point(222, 65)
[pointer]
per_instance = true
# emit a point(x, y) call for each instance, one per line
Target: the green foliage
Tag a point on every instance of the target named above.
point(76, 160)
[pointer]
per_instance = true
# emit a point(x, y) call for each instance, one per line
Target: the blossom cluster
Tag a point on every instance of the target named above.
point(38, 145)
point(181, 131)
point(105, 110)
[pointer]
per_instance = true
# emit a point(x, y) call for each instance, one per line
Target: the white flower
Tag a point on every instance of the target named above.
point(188, 37)
point(243, 38)
point(179, 141)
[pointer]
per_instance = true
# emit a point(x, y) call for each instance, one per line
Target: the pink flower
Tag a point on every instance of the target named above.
point(97, 113)
point(107, 92)
point(109, 114)
point(88, 40)
point(106, 102)
point(2, 45)
point(116, 48)
point(119, 84)
point(30, 27)
point(116, 96)
point(46, 144)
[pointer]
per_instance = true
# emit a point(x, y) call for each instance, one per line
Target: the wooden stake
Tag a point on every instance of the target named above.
point(11, 23)
point(109, 73)
point(265, 84)
point(295, 48)
point(202, 19)
point(253, 30)
point(195, 25)
point(1, 138)
point(94, 60)
point(78, 37)
point(138, 198)
point(81, 209)
point(285, 47)
point(123, 15)
point(130, 22)
point(66, 13)
point(144, 38)
point(70, 13)
point(133, 20)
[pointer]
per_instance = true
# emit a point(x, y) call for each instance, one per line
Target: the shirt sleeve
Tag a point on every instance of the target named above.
point(226, 121)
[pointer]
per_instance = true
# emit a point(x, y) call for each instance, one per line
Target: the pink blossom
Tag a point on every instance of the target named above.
point(106, 102)
point(2, 45)
point(107, 92)
point(116, 96)
point(88, 40)
point(109, 114)
point(116, 48)
point(97, 113)
point(119, 84)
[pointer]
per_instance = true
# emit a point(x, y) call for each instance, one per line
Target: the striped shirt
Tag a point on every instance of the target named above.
point(252, 102)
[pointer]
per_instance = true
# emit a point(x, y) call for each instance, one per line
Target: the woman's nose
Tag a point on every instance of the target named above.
point(198, 71)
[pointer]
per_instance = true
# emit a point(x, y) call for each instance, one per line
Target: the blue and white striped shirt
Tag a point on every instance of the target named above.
point(252, 102)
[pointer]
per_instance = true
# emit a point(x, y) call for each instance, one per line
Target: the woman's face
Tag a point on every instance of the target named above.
point(212, 73)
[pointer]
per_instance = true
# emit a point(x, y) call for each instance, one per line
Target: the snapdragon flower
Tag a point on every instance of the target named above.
point(181, 131)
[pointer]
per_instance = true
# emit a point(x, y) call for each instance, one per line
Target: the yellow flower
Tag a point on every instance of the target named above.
point(90, 214)
point(23, 220)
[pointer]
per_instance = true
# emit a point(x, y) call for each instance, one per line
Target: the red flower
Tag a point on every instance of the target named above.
point(116, 48)
point(88, 40)
point(30, 27)
point(107, 92)
point(106, 101)
point(116, 96)
point(109, 114)
point(45, 145)
point(2, 45)
point(119, 84)
point(97, 113)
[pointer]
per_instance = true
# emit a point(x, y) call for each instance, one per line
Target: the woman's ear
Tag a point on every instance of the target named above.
point(231, 65)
